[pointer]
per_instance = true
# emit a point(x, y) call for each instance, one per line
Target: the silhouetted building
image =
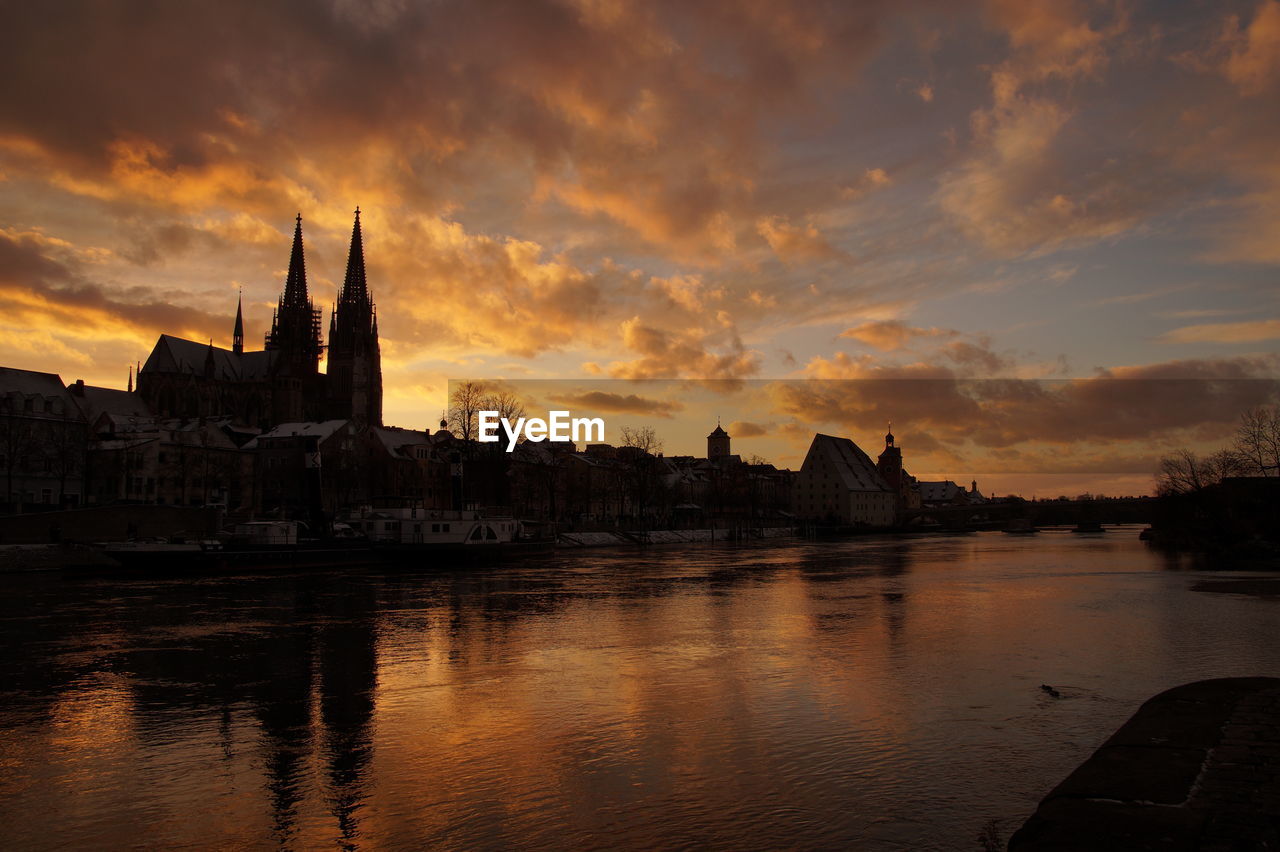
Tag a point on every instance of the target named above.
point(43, 439)
point(355, 359)
point(282, 382)
point(904, 486)
point(947, 493)
point(717, 443)
point(839, 483)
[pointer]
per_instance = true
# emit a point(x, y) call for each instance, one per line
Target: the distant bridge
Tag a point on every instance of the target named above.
point(997, 514)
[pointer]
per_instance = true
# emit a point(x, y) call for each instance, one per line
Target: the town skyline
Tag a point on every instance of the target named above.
point(640, 193)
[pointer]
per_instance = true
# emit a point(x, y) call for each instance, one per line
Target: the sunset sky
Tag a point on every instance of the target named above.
point(609, 190)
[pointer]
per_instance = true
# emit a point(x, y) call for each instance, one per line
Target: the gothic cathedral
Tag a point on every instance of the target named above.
point(282, 382)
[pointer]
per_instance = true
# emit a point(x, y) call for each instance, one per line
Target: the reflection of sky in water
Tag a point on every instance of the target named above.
point(803, 694)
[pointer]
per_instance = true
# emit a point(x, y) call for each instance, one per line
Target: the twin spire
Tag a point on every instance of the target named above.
point(354, 287)
point(295, 317)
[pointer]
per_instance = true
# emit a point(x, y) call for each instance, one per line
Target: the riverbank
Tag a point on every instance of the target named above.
point(1196, 768)
point(1261, 587)
point(51, 557)
point(617, 539)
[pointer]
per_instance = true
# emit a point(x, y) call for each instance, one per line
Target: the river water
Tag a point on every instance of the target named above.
point(878, 693)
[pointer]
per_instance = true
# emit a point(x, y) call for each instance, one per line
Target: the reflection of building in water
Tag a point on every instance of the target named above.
point(348, 679)
point(324, 651)
point(281, 700)
point(291, 659)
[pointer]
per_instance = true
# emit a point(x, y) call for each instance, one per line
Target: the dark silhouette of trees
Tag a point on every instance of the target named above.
point(509, 407)
point(1255, 451)
point(1184, 472)
point(465, 403)
point(1257, 443)
point(641, 471)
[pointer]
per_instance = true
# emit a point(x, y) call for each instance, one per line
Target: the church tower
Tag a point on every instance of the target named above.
point(890, 462)
point(237, 333)
point(295, 345)
point(355, 359)
point(718, 444)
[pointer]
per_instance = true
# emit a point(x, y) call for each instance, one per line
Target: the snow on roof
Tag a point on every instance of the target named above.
point(395, 439)
point(943, 491)
point(855, 469)
point(322, 430)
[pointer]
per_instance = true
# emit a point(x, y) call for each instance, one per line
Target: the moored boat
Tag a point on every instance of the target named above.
point(253, 545)
point(408, 534)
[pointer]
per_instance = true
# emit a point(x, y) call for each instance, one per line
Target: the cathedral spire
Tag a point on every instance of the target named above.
point(237, 335)
point(295, 283)
point(355, 359)
point(295, 326)
point(354, 287)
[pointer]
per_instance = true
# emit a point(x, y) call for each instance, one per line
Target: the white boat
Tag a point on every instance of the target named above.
point(407, 532)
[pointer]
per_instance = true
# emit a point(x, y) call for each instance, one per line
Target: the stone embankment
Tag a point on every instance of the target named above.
point(618, 539)
point(1196, 768)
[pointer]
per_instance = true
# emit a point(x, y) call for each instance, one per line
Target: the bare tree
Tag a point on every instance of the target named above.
point(465, 403)
point(508, 406)
point(16, 444)
point(641, 473)
point(1183, 472)
point(1257, 442)
point(66, 446)
point(642, 438)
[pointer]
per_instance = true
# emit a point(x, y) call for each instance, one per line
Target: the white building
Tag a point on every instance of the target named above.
point(839, 482)
point(947, 493)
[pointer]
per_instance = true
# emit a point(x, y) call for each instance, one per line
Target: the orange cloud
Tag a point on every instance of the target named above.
point(797, 243)
point(686, 354)
point(606, 402)
point(747, 429)
point(888, 335)
point(1225, 332)
point(1253, 53)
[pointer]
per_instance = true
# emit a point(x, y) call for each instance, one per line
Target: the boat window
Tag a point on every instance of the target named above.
point(444, 528)
point(435, 528)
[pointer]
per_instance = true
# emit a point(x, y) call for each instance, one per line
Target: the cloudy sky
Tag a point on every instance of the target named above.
point(747, 191)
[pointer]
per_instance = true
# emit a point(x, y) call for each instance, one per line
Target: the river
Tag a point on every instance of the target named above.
point(879, 693)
